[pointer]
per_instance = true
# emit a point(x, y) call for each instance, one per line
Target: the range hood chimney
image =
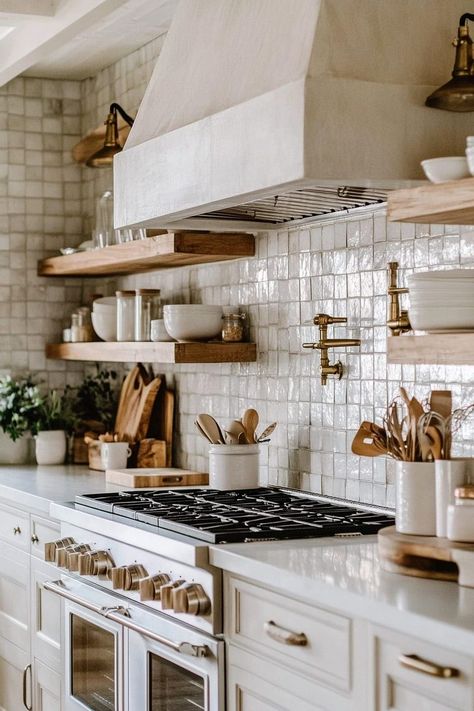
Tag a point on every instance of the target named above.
point(263, 112)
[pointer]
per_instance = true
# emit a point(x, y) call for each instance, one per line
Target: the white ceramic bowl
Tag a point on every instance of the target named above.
point(438, 318)
point(441, 170)
point(470, 158)
point(105, 325)
point(106, 304)
point(158, 330)
point(193, 322)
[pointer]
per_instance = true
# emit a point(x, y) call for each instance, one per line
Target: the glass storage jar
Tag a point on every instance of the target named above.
point(125, 315)
point(233, 327)
point(147, 309)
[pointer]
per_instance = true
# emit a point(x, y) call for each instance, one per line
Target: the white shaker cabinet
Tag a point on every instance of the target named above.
point(15, 677)
point(46, 688)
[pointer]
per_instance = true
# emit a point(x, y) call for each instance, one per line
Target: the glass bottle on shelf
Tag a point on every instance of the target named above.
point(147, 309)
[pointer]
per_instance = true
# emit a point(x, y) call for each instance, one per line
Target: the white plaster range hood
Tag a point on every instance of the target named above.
point(263, 112)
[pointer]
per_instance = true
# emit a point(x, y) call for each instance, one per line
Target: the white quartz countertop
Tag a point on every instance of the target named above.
point(36, 487)
point(346, 576)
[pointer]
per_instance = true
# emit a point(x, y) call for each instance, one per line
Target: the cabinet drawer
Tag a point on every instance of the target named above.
point(42, 531)
point(313, 642)
point(15, 527)
point(420, 685)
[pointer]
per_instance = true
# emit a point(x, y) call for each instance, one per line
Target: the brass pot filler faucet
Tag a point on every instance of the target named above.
point(398, 321)
point(324, 343)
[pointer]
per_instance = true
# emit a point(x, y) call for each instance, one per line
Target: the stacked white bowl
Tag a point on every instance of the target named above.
point(192, 322)
point(442, 301)
point(104, 318)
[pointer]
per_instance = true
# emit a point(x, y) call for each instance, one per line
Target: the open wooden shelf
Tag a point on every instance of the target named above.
point(433, 349)
point(446, 203)
point(161, 251)
point(147, 352)
point(94, 140)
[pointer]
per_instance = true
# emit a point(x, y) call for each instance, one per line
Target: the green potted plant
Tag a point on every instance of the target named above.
point(20, 401)
point(55, 420)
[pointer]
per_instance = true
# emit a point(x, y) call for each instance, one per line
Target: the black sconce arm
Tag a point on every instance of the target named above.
point(116, 108)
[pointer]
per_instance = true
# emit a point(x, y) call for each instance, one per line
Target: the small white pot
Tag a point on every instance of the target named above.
point(450, 473)
point(233, 466)
point(416, 498)
point(17, 452)
point(114, 455)
point(51, 447)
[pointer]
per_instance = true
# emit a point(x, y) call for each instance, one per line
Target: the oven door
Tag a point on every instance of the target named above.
point(163, 680)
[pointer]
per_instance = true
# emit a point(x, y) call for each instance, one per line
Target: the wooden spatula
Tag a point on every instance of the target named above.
point(250, 424)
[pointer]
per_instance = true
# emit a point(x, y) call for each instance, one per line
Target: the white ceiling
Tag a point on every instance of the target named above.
point(74, 39)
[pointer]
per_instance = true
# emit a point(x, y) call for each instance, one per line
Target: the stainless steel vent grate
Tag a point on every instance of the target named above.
point(301, 204)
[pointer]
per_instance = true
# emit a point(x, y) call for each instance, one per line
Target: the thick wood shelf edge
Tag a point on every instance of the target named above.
point(446, 203)
point(441, 349)
point(132, 352)
point(158, 252)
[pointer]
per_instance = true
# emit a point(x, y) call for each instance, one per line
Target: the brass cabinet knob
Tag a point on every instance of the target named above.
point(16, 531)
point(191, 599)
point(166, 592)
point(127, 577)
point(51, 547)
point(150, 587)
point(34, 538)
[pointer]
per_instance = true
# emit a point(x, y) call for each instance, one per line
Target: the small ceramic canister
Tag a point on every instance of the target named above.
point(114, 455)
point(233, 466)
point(450, 474)
point(416, 498)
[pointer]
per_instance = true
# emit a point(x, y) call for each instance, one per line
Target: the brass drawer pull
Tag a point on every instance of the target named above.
point(284, 636)
point(16, 530)
point(412, 661)
point(34, 538)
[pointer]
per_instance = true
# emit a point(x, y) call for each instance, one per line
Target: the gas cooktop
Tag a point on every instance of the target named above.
point(245, 515)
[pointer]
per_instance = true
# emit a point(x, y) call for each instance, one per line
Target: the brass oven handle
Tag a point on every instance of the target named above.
point(25, 687)
point(412, 661)
point(122, 616)
point(284, 636)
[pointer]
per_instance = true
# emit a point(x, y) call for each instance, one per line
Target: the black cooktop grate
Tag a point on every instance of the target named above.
point(238, 516)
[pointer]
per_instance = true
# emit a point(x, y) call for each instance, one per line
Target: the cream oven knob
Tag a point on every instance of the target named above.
point(51, 548)
point(150, 588)
point(127, 577)
point(72, 556)
point(166, 593)
point(191, 599)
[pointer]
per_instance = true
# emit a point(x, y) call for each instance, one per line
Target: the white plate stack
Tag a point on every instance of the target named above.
point(442, 301)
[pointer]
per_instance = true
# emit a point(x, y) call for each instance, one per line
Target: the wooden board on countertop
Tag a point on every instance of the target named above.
point(162, 477)
point(419, 556)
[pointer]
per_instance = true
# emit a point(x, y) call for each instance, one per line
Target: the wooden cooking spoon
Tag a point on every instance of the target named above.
point(250, 424)
point(210, 427)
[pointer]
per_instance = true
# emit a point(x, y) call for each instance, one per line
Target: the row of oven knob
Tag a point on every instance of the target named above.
point(177, 595)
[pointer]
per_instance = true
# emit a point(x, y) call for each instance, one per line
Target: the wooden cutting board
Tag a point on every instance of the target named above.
point(162, 477)
point(420, 556)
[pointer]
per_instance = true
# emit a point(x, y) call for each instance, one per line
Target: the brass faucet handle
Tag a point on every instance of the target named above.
point(310, 345)
point(325, 319)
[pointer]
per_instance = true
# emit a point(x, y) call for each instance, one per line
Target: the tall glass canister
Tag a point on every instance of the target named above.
point(125, 315)
point(147, 309)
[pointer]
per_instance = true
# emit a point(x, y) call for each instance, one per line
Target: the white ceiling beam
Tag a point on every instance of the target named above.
point(34, 40)
point(28, 7)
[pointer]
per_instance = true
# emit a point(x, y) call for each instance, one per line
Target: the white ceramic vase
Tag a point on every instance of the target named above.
point(233, 466)
point(51, 447)
point(416, 498)
point(17, 452)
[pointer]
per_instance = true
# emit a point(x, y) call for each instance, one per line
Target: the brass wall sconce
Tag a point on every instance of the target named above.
point(324, 343)
point(105, 155)
point(458, 93)
point(398, 321)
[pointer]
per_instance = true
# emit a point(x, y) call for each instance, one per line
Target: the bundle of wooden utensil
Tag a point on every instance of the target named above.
point(144, 419)
point(413, 432)
point(243, 431)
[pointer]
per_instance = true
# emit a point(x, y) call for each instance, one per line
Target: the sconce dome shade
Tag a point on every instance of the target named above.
point(456, 95)
point(104, 156)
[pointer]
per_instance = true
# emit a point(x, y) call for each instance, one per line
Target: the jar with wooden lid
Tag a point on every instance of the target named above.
point(125, 315)
point(461, 515)
point(147, 309)
point(233, 327)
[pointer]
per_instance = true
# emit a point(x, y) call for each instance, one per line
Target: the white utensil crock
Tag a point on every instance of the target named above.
point(450, 473)
point(50, 447)
point(233, 466)
point(416, 498)
point(114, 455)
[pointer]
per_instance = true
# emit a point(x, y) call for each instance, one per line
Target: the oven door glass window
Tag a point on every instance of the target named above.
point(172, 688)
point(93, 665)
